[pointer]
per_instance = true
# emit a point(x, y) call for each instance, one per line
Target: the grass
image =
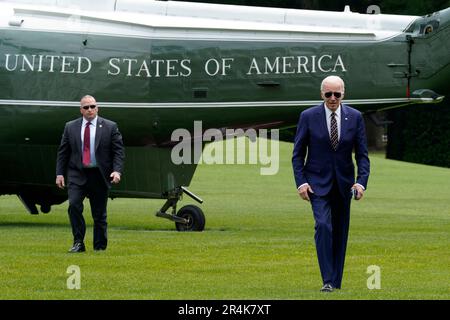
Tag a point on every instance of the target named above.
point(258, 242)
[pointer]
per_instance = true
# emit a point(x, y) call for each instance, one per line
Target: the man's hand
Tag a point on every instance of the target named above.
point(115, 177)
point(60, 182)
point(303, 192)
point(359, 190)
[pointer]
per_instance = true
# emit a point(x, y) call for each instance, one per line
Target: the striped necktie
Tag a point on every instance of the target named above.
point(334, 132)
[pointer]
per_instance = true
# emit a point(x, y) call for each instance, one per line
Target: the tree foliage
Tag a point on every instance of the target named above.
point(420, 134)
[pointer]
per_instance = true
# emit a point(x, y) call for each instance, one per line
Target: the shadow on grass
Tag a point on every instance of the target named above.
point(31, 224)
point(89, 224)
point(159, 229)
point(34, 225)
point(140, 229)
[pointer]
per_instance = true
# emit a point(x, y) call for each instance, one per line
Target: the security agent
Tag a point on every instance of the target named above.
point(91, 155)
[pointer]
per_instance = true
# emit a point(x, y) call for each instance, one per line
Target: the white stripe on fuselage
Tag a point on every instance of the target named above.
point(239, 104)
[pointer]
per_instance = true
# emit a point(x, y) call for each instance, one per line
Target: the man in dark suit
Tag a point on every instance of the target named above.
point(91, 154)
point(325, 174)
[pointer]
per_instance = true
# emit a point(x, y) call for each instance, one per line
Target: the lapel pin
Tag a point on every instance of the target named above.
point(101, 125)
point(346, 118)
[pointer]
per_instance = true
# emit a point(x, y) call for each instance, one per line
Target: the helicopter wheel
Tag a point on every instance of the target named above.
point(195, 217)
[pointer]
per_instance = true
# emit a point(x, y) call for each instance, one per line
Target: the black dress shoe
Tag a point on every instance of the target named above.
point(327, 288)
point(77, 247)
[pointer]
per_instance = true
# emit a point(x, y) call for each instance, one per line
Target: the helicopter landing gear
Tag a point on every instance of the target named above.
point(189, 217)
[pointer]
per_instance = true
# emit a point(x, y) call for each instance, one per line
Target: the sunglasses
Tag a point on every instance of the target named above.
point(92, 106)
point(336, 94)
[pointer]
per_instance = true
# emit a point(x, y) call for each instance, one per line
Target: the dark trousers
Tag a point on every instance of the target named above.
point(332, 218)
point(97, 192)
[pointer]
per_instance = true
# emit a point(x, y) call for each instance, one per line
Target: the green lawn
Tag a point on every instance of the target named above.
point(258, 242)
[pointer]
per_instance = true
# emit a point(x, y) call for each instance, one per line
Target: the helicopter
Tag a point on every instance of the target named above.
point(158, 66)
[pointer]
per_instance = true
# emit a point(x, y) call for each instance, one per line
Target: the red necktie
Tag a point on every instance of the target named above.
point(87, 146)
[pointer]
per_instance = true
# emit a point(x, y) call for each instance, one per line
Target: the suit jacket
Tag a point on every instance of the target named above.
point(316, 162)
point(109, 151)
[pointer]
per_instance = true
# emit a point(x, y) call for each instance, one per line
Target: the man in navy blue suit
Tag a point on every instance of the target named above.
point(324, 173)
